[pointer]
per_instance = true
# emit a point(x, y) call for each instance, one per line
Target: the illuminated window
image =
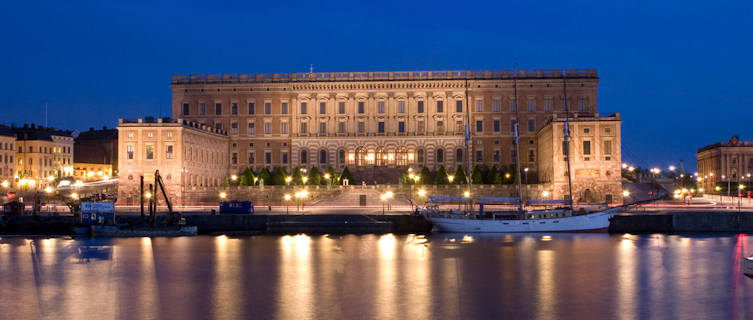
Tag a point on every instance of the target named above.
point(149, 152)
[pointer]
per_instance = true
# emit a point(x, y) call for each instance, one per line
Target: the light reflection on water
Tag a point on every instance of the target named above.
point(377, 276)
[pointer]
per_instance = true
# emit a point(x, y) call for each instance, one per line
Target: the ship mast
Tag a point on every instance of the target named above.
point(517, 137)
point(567, 140)
point(468, 176)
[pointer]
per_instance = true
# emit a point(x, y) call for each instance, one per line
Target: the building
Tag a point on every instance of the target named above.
point(595, 158)
point(188, 155)
point(43, 154)
point(381, 119)
point(7, 156)
point(96, 154)
point(727, 161)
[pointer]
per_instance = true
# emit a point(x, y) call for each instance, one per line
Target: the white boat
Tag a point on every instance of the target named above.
point(551, 221)
point(520, 220)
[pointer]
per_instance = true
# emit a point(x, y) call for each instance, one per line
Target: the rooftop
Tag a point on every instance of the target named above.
point(385, 76)
point(734, 141)
point(156, 122)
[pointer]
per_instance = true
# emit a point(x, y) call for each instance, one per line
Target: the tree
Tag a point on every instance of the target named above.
point(264, 176)
point(476, 176)
point(440, 177)
point(493, 176)
point(297, 176)
point(278, 178)
point(314, 177)
point(346, 175)
point(426, 177)
point(460, 176)
point(247, 178)
point(333, 176)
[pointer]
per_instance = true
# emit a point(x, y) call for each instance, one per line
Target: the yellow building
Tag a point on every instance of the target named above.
point(7, 156)
point(92, 171)
point(727, 161)
point(595, 158)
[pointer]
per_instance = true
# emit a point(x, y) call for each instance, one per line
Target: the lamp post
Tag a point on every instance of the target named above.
point(526, 178)
point(286, 197)
point(740, 196)
point(383, 198)
point(718, 189)
point(327, 177)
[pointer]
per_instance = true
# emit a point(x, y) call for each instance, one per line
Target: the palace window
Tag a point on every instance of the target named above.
point(304, 128)
point(251, 107)
point(440, 155)
point(531, 105)
point(202, 109)
point(361, 127)
point(284, 107)
point(459, 155)
point(420, 107)
point(185, 109)
point(304, 157)
point(513, 105)
point(234, 127)
point(531, 155)
point(322, 108)
point(582, 105)
point(341, 107)
point(531, 125)
point(381, 127)
point(267, 108)
point(341, 127)
point(548, 105)
point(496, 125)
point(218, 108)
point(267, 128)
point(420, 156)
point(304, 108)
point(607, 147)
point(440, 106)
point(322, 156)
point(401, 106)
point(480, 105)
point(586, 147)
point(251, 128)
point(149, 152)
point(420, 126)
point(459, 106)
point(380, 106)
point(234, 108)
point(284, 156)
point(513, 123)
point(361, 107)
point(130, 151)
point(401, 127)
point(440, 126)
point(341, 156)
point(283, 127)
point(323, 128)
point(234, 158)
point(268, 157)
point(496, 155)
point(479, 156)
point(251, 158)
point(479, 125)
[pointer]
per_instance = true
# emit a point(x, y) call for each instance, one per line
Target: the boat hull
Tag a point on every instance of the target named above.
point(592, 222)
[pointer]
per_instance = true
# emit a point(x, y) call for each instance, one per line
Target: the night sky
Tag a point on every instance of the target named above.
point(679, 72)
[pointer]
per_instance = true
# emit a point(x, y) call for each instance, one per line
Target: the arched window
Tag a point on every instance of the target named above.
point(381, 157)
point(322, 156)
point(459, 155)
point(360, 156)
point(440, 155)
point(304, 157)
point(341, 156)
point(420, 156)
point(402, 156)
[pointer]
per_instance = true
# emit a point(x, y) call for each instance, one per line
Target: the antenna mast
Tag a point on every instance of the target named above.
point(567, 139)
point(517, 136)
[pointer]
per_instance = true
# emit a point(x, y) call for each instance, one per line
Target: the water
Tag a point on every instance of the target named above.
point(380, 277)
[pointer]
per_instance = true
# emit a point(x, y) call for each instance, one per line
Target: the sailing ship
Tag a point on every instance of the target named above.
point(563, 218)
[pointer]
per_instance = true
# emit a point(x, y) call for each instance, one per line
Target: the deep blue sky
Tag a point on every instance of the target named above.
point(679, 72)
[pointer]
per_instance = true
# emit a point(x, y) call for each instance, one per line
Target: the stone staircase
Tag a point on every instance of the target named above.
point(376, 175)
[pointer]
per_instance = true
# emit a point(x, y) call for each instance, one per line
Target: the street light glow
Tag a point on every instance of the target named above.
point(421, 192)
point(450, 178)
point(625, 193)
point(234, 177)
point(671, 168)
point(287, 197)
point(223, 195)
point(545, 193)
point(467, 194)
point(326, 176)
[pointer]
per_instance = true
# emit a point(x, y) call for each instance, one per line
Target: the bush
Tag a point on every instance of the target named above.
point(440, 178)
point(460, 176)
point(264, 177)
point(426, 177)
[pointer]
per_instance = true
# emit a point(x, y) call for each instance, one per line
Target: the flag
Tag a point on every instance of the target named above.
point(515, 126)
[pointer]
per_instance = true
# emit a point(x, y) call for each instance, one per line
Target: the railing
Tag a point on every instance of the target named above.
point(384, 75)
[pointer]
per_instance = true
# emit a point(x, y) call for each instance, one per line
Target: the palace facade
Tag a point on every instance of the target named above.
point(383, 119)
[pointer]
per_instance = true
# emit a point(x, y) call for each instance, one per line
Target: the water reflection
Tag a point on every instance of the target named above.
point(386, 277)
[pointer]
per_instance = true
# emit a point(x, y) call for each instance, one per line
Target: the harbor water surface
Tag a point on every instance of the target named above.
point(443, 276)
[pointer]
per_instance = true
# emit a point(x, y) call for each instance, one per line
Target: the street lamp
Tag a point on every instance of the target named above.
point(305, 178)
point(383, 198)
point(625, 194)
point(234, 177)
point(5, 184)
point(526, 171)
point(740, 196)
point(718, 188)
point(288, 179)
point(287, 203)
point(671, 168)
point(450, 178)
point(223, 195)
